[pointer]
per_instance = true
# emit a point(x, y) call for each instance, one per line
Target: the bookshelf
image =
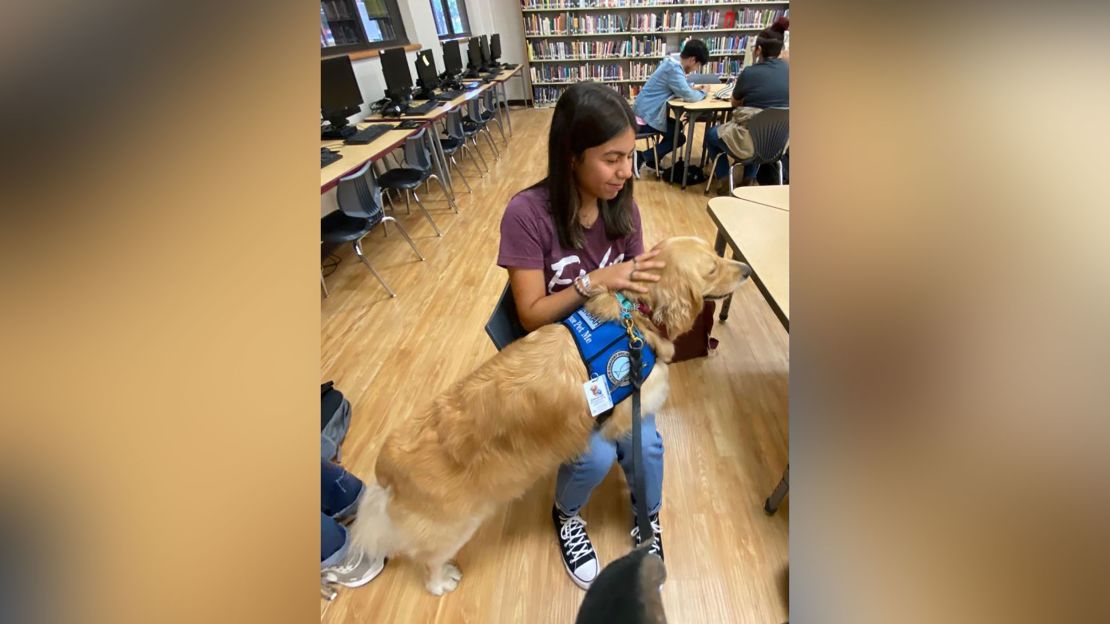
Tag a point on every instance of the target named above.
point(620, 42)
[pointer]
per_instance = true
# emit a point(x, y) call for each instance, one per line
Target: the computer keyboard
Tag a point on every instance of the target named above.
point(421, 109)
point(470, 86)
point(368, 134)
point(509, 65)
point(410, 124)
point(725, 92)
point(449, 95)
point(327, 157)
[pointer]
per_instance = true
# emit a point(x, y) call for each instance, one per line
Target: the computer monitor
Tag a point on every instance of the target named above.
point(398, 80)
point(452, 58)
point(495, 48)
point(426, 70)
point(474, 54)
point(487, 60)
point(340, 96)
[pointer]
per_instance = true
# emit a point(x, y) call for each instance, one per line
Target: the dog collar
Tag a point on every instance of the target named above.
point(627, 306)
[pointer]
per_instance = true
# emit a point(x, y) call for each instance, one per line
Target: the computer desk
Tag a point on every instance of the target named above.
point(431, 117)
point(355, 156)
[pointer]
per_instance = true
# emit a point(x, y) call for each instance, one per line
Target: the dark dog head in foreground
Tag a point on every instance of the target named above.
point(626, 592)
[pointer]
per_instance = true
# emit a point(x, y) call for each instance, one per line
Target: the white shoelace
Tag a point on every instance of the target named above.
point(655, 528)
point(577, 544)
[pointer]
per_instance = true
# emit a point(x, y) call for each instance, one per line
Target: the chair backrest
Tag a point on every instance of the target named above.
point(455, 124)
point(503, 326)
point(770, 129)
point(359, 195)
point(473, 110)
point(416, 152)
point(489, 100)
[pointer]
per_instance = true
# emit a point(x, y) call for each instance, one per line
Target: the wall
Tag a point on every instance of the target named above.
point(486, 17)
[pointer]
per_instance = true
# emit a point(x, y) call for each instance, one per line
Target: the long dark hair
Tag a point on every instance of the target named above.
point(586, 115)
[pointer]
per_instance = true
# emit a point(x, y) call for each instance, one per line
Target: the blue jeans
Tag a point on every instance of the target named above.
point(665, 145)
point(339, 491)
point(717, 146)
point(577, 480)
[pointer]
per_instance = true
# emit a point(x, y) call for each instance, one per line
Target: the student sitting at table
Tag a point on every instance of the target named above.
point(765, 84)
point(666, 82)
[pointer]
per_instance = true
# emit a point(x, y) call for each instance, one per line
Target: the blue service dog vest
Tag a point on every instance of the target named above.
point(604, 349)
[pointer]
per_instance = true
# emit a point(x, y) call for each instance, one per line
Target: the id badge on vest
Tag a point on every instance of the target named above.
point(597, 395)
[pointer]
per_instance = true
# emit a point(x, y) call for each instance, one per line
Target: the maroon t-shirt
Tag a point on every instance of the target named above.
point(529, 241)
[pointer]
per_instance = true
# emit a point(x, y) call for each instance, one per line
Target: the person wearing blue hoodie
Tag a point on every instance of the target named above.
point(666, 82)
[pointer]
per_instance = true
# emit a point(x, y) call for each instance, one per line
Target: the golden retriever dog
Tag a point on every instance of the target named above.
point(497, 431)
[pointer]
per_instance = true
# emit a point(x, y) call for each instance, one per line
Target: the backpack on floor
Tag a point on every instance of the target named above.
point(335, 418)
point(698, 342)
point(694, 174)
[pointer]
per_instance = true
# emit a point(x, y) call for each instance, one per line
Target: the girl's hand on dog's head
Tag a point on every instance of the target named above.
point(630, 275)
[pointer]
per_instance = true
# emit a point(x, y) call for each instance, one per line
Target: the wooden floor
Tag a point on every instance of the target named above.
point(724, 426)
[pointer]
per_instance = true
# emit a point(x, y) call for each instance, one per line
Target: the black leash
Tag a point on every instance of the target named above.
point(639, 490)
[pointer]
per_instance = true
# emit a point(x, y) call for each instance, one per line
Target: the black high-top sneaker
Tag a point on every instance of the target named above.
point(657, 541)
point(579, 557)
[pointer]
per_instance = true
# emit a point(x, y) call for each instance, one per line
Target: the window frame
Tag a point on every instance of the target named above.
point(464, 15)
point(400, 39)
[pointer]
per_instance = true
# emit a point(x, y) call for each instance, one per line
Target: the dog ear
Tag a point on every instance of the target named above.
point(678, 301)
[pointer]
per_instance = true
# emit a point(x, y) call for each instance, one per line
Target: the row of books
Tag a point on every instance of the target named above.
point(705, 19)
point(726, 44)
point(633, 46)
point(589, 24)
point(539, 25)
point(548, 96)
point(617, 4)
point(585, 71)
point(722, 67)
point(678, 20)
point(545, 25)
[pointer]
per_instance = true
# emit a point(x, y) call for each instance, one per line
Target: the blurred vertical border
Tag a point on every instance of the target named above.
point(161, 324)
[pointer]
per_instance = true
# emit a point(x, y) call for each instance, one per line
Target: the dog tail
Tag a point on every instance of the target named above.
point(373, 530)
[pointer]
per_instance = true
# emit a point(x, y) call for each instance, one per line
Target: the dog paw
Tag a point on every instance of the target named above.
point(446, 580)
point(438, 587)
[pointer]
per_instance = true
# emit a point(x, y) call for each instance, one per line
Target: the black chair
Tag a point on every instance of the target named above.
point(503, 326)
point(417, 170)
point(475, 121)
point(770, 129)
point(360, 210)
point(489, 102)
point(650, 135)
point(457, 128)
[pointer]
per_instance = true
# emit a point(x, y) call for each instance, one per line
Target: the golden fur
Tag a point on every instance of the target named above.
point(496, 431)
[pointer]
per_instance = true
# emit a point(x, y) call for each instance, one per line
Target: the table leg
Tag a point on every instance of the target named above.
point(720, 245)
point(439, 159)
point(771, 505)
point(508, 116)
point(674, 141)
point(691, 120)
